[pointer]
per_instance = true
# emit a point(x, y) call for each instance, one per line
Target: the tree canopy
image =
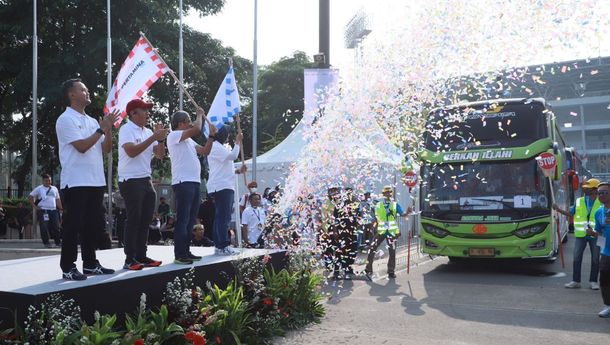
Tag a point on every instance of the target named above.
point(72, 41)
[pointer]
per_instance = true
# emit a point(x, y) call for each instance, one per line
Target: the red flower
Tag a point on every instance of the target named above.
point(139, 342)
point(195, 337)
point(267, 301)
point(218, 341)
point(194, 293)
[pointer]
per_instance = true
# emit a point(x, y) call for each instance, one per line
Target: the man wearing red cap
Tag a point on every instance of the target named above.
point(137, 144)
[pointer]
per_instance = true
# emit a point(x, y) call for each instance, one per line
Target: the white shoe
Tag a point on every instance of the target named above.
point(572, 285)
point(605, 313)
point(226, 251)
point(594, 286)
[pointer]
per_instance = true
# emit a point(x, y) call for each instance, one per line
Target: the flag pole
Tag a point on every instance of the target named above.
point(241, 149)
point(181, 58)
point(171, 72)
point(34, 108)
point(109, 223)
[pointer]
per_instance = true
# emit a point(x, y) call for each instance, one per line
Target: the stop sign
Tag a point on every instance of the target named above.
point(410, 178)
point(546, 161)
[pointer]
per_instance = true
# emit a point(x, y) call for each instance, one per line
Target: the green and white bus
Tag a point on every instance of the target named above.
point(482, 193)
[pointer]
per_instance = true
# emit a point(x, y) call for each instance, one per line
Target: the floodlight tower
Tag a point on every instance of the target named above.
point(355, 31)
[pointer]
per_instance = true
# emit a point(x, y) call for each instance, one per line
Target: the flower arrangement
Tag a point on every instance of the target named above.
point(257, 306)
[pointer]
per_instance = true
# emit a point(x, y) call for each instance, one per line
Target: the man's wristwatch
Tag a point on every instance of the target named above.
point(100, 131)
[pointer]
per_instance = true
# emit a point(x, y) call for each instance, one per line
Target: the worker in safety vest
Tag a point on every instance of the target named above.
point(387, 212)
point(584, 212)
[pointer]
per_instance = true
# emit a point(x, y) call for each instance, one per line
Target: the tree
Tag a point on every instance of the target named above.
point(72, 43)
point(280, 101)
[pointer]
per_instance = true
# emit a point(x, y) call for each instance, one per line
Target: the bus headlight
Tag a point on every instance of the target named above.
point(530, 230)
point(435, 230)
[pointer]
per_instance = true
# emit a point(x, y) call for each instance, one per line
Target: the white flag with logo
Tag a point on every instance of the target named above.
point(139, 71)
point(226, 102)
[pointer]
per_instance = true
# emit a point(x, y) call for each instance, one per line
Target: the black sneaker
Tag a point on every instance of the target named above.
point(183, 261)
point(391, 275)
point(74, 274)
point(148, 262)
point(193, 257)
point(97, 270)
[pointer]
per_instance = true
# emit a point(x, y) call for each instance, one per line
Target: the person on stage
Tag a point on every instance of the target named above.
point(221, 187)
point(82, 142)
point(186, 179)
point(137, 146)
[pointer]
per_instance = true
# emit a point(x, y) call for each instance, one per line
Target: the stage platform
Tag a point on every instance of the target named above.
point(29, 281)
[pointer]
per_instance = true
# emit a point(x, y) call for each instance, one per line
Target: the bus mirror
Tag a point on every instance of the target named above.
point(555, 148)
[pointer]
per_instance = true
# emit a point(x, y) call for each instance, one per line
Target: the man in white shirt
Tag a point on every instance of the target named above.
point(82, 142)
point(253, 222)
point(45, 202)
point(137, 144)
point(221, 187)
point(244, 201)
point(186, 179)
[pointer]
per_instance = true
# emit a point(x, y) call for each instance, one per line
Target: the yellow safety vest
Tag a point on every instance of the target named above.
point(386, 222)
point(580, 216)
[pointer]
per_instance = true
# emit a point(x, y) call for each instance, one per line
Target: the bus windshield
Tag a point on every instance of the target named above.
point(511, 124)
point(508, 190)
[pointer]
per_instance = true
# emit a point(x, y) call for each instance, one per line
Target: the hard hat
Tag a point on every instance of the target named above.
point(591, 183)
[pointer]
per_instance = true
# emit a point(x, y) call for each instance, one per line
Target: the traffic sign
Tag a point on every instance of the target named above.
point(547, 162)
point(410, 178)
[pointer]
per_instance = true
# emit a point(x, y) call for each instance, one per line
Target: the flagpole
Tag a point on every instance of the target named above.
point(171, 72)
point(254, 94)
point(241, 149)
point(34, 106)
point(110, 222)
point(181, 59)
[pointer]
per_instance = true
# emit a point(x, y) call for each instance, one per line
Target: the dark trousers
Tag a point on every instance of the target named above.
point(391, 240)
point(139, 197)
point(604, 278)
point(579, 248)
point(50, 226)
point(83, 216)
point(187, 206)
point(223, 202)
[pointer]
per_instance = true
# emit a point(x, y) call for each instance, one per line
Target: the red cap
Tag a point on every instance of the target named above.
point(137, 103)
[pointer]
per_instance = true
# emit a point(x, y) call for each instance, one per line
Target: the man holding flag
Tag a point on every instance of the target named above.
point(221, 183)
point(186, 179)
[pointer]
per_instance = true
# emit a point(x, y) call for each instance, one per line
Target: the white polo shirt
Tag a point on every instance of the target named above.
point(222, 172)
point(79, 169)
point(183, 154)
point(254, 218)
point(48, 196)
point(138, 166)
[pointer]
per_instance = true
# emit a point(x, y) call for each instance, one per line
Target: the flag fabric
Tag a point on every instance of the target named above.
point(139, 71)
point(226, 103)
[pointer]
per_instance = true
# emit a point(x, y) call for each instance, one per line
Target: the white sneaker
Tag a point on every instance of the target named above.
point(605, 313)
point(226, 251)
point(594, 286)
point(231, 250)
point(572, 285)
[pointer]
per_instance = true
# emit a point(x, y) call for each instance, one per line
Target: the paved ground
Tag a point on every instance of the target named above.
point(472, 302)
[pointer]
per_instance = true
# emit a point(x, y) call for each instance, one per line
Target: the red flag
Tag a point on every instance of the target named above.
point(139, 71)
